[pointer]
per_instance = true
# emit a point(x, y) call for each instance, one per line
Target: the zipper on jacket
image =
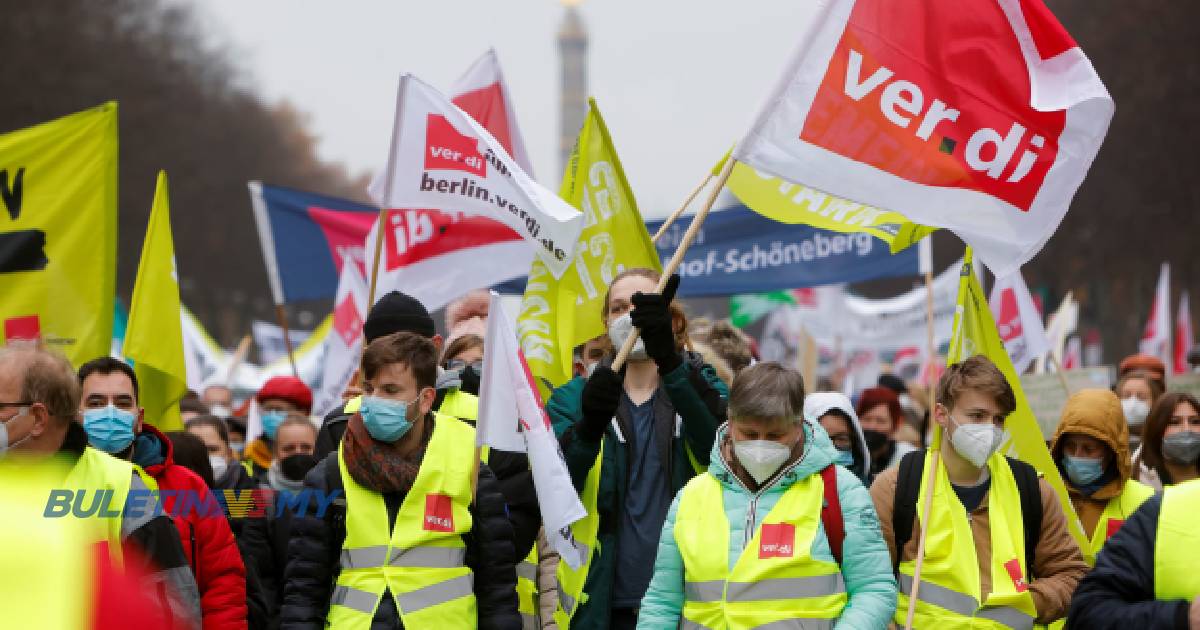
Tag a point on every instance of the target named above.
point(748, 529)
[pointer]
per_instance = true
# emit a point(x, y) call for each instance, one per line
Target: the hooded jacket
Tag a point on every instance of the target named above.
point(1095, 413)
point(204, 532)
point(867, 571)
point(821, 403)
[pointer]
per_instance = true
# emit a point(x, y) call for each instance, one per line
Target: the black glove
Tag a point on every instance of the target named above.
point(601, 395)
point(652, 315)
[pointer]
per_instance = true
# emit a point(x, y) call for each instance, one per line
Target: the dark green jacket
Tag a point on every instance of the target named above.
point(685, 420)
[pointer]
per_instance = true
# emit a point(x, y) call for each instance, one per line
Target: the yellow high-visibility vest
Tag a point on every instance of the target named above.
point(950, 583)
point(97, 471)
point(1115, 512)
point(1175, 575)
point(775, 580)
point(421, 562)
point(585, 533)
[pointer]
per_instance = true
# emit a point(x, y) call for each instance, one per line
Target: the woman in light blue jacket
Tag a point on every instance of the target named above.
point(763, 452)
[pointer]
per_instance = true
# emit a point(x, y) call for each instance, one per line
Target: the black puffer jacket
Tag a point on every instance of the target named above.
point(316, 544)
point(511, 469)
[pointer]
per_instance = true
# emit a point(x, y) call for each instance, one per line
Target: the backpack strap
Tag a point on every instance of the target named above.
point(831, 513)
point(1031, 507)
point(904, 506)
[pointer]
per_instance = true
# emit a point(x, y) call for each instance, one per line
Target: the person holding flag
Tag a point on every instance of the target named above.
point(422, 539)
point(631, 440)
point(1012, 559)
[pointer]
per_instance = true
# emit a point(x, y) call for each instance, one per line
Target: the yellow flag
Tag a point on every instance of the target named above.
point(557, 315)
point(975, 333)
point(154, 338)
point(783, 201)
point(58, 233)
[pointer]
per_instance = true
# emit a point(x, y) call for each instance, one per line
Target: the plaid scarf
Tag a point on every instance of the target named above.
point(379, 465)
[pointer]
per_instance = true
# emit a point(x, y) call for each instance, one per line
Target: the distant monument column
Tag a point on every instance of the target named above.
point(572, 48)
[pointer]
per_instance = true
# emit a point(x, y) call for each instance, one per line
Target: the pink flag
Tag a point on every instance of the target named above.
point(980, 116)
point(511, 418)
point(1156, 338)
point(1018, 320)
point(1183, 335)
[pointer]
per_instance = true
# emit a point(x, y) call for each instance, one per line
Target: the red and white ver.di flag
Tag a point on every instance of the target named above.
point(1183, 335)
point(344, 345)
point(443, 159)
point(511, 418)
point(979, 116)
point(1018, 320)
point(1156, 338)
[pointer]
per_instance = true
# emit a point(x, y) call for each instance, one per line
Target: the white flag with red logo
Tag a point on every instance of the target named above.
point(1073, 355)
point(1156, 338)
point(1183, 335)
point(1018, 320)
point(443, 159)
point(511, 418)
point(980, 116)
point(344, 345)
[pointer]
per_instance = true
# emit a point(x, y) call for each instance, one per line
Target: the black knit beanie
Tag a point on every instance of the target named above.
point(398, 312)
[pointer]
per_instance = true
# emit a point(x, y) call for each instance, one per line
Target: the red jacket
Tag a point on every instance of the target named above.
point(207, 540)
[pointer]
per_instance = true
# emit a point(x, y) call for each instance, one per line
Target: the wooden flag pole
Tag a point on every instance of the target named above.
point(235, 361)
point(929, 336)
point(287, 340)
point(677, 257)
point(680, 210)
point(925, 508)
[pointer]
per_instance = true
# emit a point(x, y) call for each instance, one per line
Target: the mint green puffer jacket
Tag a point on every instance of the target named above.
point(866, 567)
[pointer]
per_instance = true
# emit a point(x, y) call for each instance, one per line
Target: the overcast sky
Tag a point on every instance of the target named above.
point(677, 81)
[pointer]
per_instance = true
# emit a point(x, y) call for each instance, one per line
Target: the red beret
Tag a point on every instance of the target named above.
point(1147, 362)
point(287, 388)
point(873, 396)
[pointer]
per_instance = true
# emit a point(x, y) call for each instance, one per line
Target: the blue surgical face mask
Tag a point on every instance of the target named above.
point(271, 420)
point(109, 429)
point(844, 458)
point(1083, 471)
point(386, 419)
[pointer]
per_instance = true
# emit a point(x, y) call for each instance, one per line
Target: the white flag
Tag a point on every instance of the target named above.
point(978, 116)
point(1018, 320)
point(1156, 339)
point(344, 345)
point(511, 418)
point(443, 159)
point(1061, 323)
point(1183, 335)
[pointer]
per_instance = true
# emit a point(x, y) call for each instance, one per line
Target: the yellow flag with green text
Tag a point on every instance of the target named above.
point(58, 233)
point(975, 333)
point(154, 338)
point(783, 201)
point(557, 315)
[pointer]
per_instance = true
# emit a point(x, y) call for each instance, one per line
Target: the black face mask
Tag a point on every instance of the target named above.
point(876, 441)
point(470, 380)
point(294, 467)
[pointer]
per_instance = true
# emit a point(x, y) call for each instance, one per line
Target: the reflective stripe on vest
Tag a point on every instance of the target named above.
point(950, 580)
point(1115, 512)
point(527, 589)
point(420, 562)
point(571, 581)
point(775, 582)
point(96, 471)
point(1175, 575)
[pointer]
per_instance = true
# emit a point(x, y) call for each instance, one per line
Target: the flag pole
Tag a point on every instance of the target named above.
point(287, 341)
point(925, 508)
point(235, 361)
point(929, 325)
point(680, 210)
point(677, 257)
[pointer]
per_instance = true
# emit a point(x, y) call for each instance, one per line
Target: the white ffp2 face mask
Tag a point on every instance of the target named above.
point(761, 458)
point(976, 442)
point(1135, 410)
point(619, 330)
